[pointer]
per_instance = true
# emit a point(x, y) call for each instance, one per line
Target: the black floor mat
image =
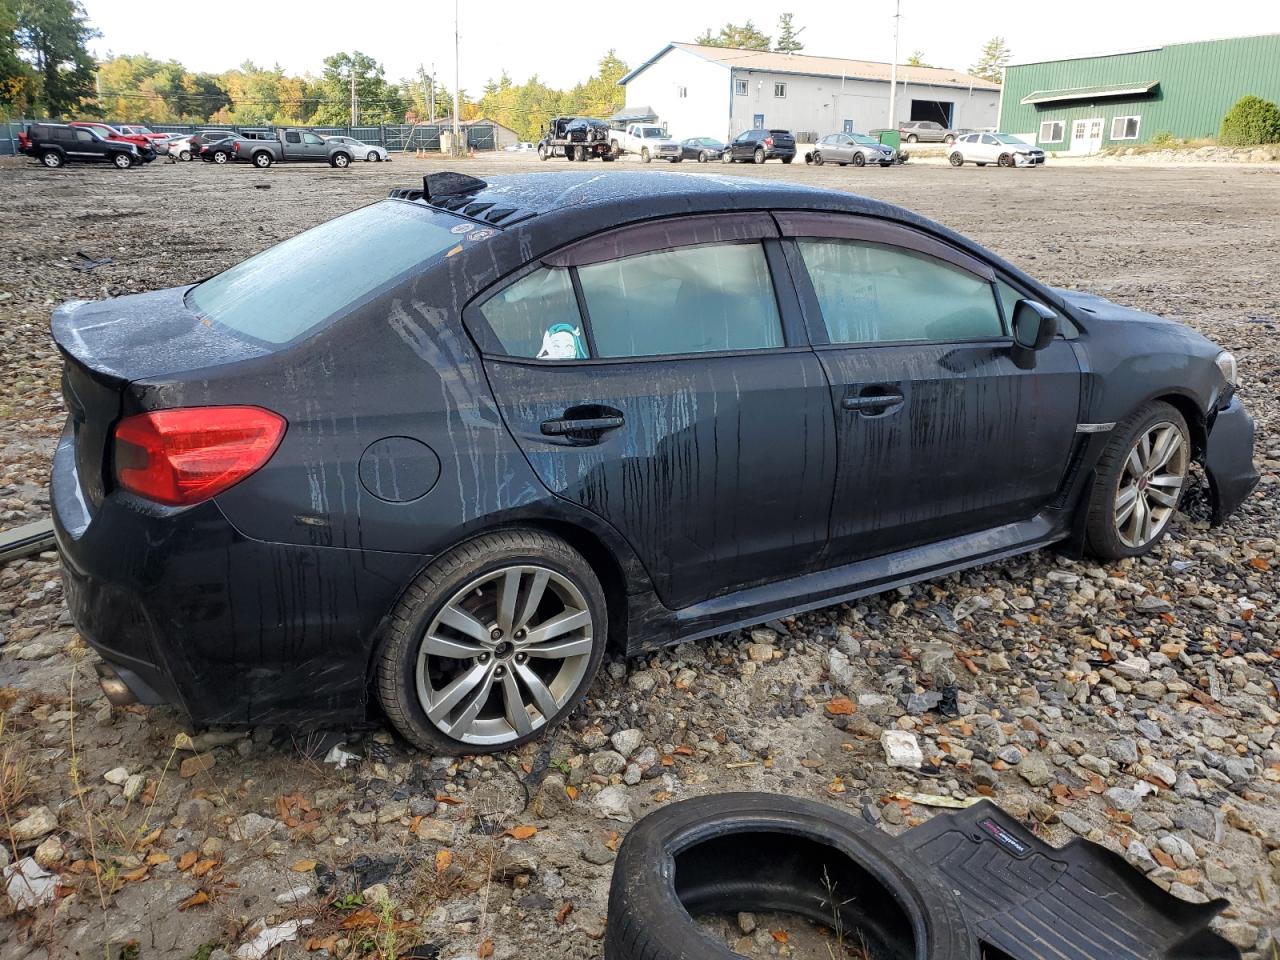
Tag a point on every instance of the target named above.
point(1032, 901)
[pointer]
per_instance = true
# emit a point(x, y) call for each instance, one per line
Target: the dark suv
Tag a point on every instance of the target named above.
point(444, 467)
point(55, 144)
point(759, 145)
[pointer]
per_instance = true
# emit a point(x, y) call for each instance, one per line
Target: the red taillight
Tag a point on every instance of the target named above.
point(180, 457)
point(235, 147)
point(768, 141)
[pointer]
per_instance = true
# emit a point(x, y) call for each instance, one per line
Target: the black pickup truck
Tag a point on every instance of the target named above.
point(55, 144)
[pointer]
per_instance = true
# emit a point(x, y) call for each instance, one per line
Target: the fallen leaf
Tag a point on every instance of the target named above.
point(612, 842)
point(187, 860)
point(151, 837)
point(139, 874)
point(1260, 563)
point(203, 867)
point(304, 866)
point(684, 751)
point(563, 913)
point(328, 943)
point(779, 935)
point(841, 707)
point(571, 792)
point(196, 899)
point(522, 832)
point(485, 949)
point(155, 858)
point(360, 919)
point(443, 859)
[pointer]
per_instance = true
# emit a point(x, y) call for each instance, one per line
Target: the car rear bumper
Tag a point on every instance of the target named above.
point(1228, 459)
point(186, 610)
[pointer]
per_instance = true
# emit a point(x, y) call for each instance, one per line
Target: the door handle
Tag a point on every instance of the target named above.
point(872, 403)
point(563, 425)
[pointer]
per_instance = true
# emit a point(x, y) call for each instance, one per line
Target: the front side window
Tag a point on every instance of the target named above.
point(871, 293)
point(1052, 131)
point(779, 89)
point(311, 138)
point(740, 87)
point(537, 317)
point(989, 140)
point(1125, 128)
point(700, 299)
point(84, 136)
point(300, 284)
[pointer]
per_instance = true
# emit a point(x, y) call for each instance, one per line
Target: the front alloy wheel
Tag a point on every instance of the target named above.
point(495, 642)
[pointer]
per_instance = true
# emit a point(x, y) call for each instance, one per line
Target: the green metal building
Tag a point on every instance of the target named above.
point(1184, 89)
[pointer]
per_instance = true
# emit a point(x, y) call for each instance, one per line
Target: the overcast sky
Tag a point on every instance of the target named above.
point(561, 40)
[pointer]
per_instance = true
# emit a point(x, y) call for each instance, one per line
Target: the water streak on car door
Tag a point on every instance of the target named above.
point(718, 469)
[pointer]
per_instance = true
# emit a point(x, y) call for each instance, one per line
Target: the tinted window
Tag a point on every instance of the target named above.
point(292, 137)
point(84, 136)
point(876, 294)
point(687, 300)
point(66, 135)
point(297, 285)
point(537, 316)
point(1009, 298)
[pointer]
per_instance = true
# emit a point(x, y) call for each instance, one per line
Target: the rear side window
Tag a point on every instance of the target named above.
point(870, 293)
point(300, 284)
point(537, 316)
point(698, 299)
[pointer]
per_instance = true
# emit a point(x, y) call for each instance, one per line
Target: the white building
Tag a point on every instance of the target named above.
point(720, 91)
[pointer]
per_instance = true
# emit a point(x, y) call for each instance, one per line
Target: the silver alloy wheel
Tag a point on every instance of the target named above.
point(504, 654)
point(1150, 485)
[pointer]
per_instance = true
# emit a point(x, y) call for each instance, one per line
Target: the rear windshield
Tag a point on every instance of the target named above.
point(306, 281)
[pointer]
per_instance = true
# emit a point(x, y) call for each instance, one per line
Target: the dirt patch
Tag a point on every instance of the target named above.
point(1135, 704)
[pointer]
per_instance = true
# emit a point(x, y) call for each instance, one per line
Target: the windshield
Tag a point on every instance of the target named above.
point(308, 280)
point(1005, 138)
point(709, 142)
point(864, 140)
point(650, 132)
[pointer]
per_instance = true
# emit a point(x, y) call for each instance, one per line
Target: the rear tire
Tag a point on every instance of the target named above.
point(262, 160)
point(758, 156)
point(704, 157)
point(912, 138)
point(458, 603)
point(184, 155)
point(221, 156)
point(52, 159)
point(1138, 482)
point(340, 160)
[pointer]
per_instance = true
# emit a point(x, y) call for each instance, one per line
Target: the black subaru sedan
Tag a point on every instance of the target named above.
point(439, 471)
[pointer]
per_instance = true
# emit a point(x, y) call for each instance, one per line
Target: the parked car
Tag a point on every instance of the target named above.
point(146, 133)
point(56, 144)
point(648, 141)
point(998, 148)
point(370, 152)
point(182, 148)
point(925, 131)
point(702, 149)
point(575, 138)
point(217, 150)
point(108, 132)
point(856, 148)
point(757, 146)
point(293, 145)
point(619, 434)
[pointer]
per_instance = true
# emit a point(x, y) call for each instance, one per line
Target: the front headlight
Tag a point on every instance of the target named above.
point(1226, 364)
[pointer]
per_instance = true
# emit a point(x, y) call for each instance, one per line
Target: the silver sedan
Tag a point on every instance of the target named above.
point(371, 152)
point(856, 148)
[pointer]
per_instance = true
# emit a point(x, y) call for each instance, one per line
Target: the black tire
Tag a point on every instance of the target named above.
point(52, 159)
point(957, 159)
point(395, 664)
point(122, 161)
point(607, 157)
point(543, 152)
point(677, 159)
point(758, 156)
point(184, 155)
point(704, 157)
point(1006, 160)
point(340, 160)
point(1102, 536)
point(817, 159)
point(644, 155)
point(912, 138)
point(763, 852)
point(859, 160)
point(614, 149)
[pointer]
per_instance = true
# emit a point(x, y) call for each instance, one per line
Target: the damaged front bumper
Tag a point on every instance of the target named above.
point(1228, 460)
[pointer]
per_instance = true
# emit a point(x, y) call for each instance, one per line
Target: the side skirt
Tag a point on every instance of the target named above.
point(653, 625)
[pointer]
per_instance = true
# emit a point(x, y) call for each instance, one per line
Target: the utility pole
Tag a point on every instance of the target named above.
point(355, 107)
point(893, 67)
point(457, 73)
point(433, 93)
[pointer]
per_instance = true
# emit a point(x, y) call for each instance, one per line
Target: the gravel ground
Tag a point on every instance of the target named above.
point(1135, 704)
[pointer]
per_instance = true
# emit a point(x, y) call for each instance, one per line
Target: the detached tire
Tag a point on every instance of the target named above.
point(1138, 482)
point(761, 852)
point(493, 644)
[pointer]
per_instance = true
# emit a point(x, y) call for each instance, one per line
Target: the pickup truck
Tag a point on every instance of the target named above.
point(648, 140)
point(291, 144)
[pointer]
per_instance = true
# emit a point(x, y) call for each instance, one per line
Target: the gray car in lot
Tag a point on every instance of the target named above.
point(926, 131)
point(856, 148)
point(292, 145)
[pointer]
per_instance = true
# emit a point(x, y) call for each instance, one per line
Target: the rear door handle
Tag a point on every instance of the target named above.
point(563, 425)
point(872, 403)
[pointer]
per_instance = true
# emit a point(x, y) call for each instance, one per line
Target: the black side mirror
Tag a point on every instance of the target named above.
point(1034, 327)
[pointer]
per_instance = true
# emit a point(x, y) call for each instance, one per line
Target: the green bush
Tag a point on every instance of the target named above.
point(1252, 120)
point(1163, 139)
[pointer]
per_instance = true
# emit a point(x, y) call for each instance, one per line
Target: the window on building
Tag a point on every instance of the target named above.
point(682, 92)
point(779, 89)
point(1052, 131)
point(1125, 128)
point(687, 300)
point(877, 294)
point(740, 87)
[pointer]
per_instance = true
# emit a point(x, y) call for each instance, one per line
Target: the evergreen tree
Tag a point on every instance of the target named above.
point(788, 36)
point(745, 37)
point(991, 63)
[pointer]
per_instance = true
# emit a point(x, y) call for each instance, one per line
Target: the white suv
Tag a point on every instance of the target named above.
point(998, 148)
